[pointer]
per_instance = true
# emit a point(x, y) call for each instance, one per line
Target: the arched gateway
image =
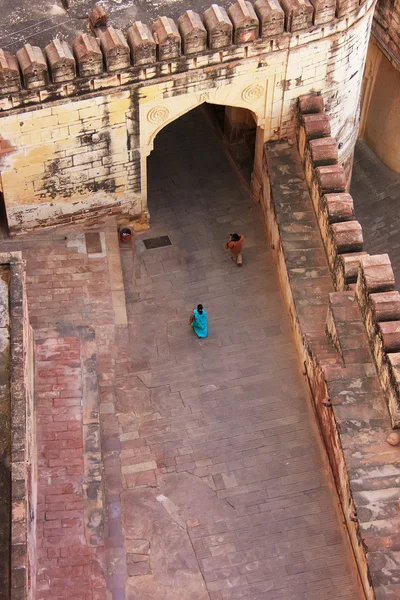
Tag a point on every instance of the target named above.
point(77, 128)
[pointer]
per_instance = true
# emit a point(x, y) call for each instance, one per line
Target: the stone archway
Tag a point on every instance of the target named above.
point(158, 107)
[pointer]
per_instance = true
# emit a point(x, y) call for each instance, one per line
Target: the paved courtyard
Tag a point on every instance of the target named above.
point(376, 193)
point(215, 482)
point(223, 470)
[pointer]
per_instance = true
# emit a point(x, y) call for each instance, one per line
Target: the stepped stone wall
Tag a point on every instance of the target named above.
point(77, 124)
point(371, 277)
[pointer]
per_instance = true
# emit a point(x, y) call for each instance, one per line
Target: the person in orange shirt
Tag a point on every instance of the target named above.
point(235, 245)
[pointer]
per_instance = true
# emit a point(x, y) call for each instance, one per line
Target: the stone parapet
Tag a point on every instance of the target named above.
point(264, 25)
point(346, 391)
point(334, 208)
point(371, 276)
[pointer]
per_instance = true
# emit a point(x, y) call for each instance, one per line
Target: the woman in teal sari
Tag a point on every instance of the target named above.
point(198, 321)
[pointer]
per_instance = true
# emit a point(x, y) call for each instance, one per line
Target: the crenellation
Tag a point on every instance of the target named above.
point(142, 43)
point(9, 73)
point(246, 27)
point(88, 55)
point(324, 11)
point(193, 33)
point(347, 236)
point(115, 48)
point(168, 40)
point(97, 18)
point(32, 63)
point(324, 151)
point(271, 17)
point(61, 61)
point(299, 14)
point(340, 207)
point(219, 27)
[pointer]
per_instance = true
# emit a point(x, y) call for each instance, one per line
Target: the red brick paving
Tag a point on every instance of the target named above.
point(68, 565)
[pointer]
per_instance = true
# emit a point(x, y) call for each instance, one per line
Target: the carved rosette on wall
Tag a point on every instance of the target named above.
point(253, 92)
point(203, 97)
point(158, 114)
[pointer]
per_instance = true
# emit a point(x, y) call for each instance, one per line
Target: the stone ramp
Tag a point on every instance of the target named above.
point(351, 408)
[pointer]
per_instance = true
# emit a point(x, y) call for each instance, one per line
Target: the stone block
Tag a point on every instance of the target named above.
point(389, 333)
point(299, 14)
point(331, 178)
point(316, 125)
point(350, 264)
point(33, 67)
point(9, 73)
point(142, 44)
point(324, 151)
point(385, 306)
point(97, 18)
point(344, 7)
point(347, 236)
point(115, 49)
point(311, 104)
point(88, 55)
point(219, 27)
point(271, 17)
point(340, 207)
point(377, 273)
point(193, 33)
point(167, 36)
point(246, 27)
point(324, 11)
point(61, 61)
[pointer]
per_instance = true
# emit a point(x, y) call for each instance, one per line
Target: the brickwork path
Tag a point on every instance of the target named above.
point(215, 482)
point(376, 193)
point(71, 564)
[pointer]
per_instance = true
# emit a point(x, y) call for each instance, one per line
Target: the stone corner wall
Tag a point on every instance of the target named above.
point(352, 268)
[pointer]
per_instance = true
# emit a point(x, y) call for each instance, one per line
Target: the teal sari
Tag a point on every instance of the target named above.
point(199, 323)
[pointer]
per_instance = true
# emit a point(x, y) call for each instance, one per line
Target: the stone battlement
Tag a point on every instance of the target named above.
point(111, 58)
point(352, 268)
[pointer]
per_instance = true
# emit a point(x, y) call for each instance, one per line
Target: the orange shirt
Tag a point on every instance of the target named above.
point(236, 247)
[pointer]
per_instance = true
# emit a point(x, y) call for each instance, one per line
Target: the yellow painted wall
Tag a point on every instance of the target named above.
point(382, 120)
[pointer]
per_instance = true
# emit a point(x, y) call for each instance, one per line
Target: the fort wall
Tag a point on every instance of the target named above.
point(75, 146)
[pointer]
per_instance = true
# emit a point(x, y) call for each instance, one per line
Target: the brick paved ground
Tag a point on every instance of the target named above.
point(215, 481)
point(376, 193)
point(71, 557)
point(67, 289)
point(221, 461)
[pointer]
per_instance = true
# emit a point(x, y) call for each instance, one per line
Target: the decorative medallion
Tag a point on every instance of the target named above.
point(253, 92)
point(203, 97)
point(158, 114)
